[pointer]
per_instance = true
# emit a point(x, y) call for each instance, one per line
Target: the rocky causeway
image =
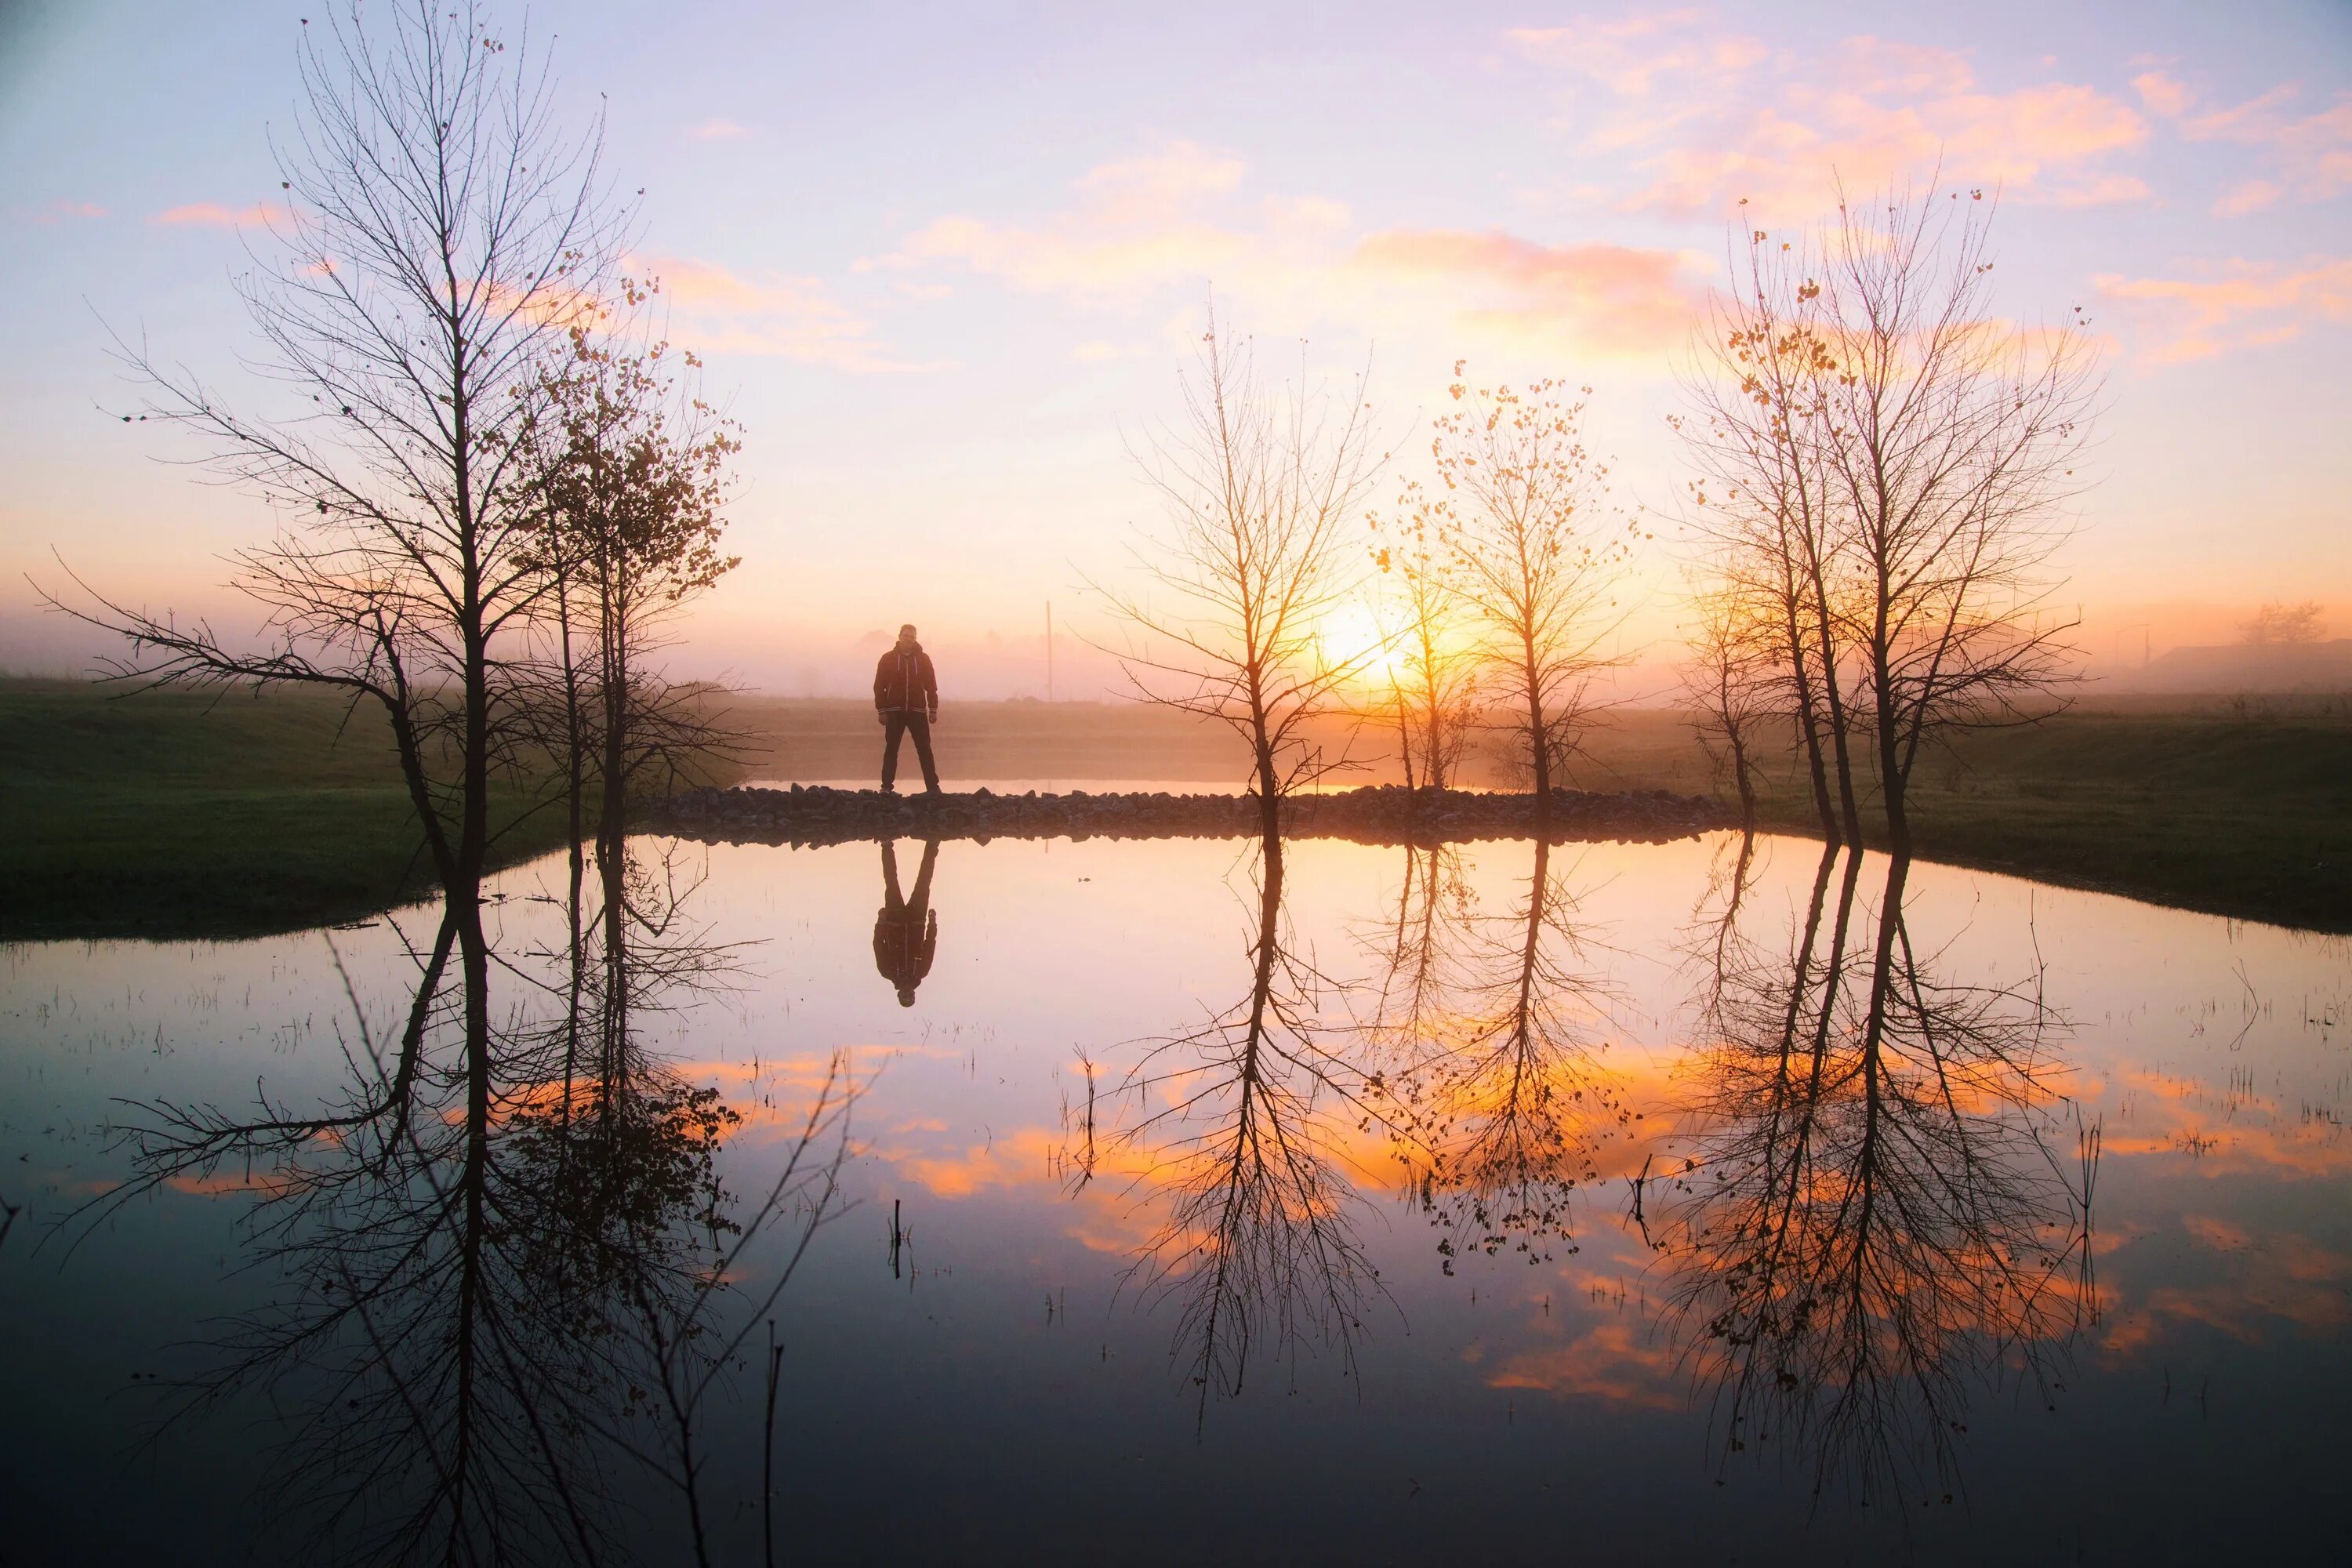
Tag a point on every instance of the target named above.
point(1384, 814)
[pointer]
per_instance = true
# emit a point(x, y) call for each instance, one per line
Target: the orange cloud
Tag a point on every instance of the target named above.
point(1610, 1361)
point(2248, 304)
point(212, 213)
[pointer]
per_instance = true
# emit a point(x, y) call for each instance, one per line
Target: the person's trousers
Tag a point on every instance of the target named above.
point(895, 725)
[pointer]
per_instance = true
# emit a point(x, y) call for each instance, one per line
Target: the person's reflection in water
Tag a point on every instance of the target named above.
point(905, 929)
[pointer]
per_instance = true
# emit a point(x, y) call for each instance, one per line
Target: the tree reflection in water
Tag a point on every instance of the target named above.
point(1876, 1212)
point(1241, 1130)
point(1490, 1027)
point(504, 1266)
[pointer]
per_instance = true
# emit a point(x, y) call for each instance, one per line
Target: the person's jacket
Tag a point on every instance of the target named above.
point(903, 681)
point(904, 941)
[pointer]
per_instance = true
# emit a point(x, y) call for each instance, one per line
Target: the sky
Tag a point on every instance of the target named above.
point(944, 263)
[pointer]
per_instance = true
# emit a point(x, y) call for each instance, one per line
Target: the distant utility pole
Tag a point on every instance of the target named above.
point(1049, 651)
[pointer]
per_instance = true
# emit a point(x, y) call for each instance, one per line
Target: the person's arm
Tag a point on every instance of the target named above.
point(931, 691)
point(881, 713)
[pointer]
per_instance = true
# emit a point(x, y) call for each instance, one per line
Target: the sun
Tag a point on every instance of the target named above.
point(1353, 639)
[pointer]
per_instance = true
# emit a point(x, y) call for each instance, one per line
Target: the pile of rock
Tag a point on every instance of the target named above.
point(1385, 814)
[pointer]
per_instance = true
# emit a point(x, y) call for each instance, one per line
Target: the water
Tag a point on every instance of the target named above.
point(1571, 1210)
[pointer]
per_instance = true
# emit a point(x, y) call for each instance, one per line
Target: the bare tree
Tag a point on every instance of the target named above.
point(1531, 553)
point(1955, 440)
point(1433, 666)
point(1260, 484)
point(1738, 667)
point(443, 233)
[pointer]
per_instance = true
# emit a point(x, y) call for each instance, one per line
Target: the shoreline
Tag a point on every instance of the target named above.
point(817, 815)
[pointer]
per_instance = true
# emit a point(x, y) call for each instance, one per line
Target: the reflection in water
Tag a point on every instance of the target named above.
point(1489, 1023)
point(1874, 1215)
point(505, 1263)
point(906, 928)
point(1240, 1127)
point(1865, 1227)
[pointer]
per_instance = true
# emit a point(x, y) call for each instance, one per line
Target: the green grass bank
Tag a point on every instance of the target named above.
point(175, 814)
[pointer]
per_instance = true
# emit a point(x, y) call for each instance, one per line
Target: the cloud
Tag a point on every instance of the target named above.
point(2252, 197)
point(717, 311)
point(2246, 304)
point(1141, 231)
point(1781, 130)
point(2312, 153)
point(1607, 297)
point(213, 215)
point(1140, 189)
point(718, 131)
point(1633, 55)
point(1135, 228)
point(50, 212)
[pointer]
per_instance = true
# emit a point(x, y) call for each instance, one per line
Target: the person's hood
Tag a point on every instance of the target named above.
point(907, 647)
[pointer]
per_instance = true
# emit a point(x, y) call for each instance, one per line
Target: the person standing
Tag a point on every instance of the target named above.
point(906, 700)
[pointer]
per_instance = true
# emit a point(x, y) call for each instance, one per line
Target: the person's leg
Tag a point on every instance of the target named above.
point(921, 898)
point(894, 726)
point(921, 729)
point(892, 900)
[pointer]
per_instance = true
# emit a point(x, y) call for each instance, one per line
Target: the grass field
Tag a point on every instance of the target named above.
point(174, 814)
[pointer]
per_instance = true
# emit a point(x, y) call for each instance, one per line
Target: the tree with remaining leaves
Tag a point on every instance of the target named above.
point(1768, 516)
point(1889, 466)
point(631, 469)
point(1532, 553)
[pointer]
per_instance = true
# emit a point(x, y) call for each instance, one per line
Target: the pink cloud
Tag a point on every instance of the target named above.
point(50, 212)
point(2311, 152)
point(721, 311)
point(2247, 304)
point(1781, 130)
point(1145, 229)
point(1633, 55)
point(718, 131)
point(1601, 298)
point(2252, 197)
point(1135, 227)
point(212, 213)
point(1145, 187)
